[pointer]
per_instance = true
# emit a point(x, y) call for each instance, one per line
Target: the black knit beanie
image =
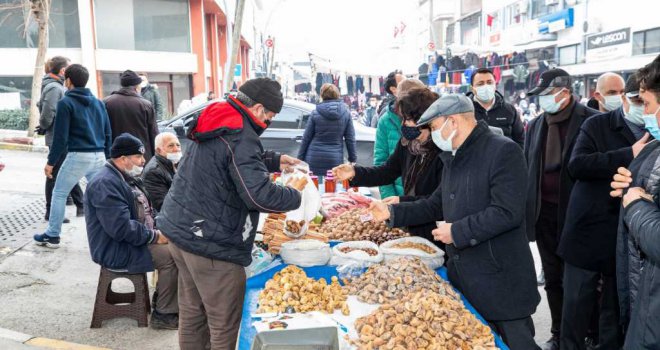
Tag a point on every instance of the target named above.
point(265, 91)
point(129, 78)
point(126, 145)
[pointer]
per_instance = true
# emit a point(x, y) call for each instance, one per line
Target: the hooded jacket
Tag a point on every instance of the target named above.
point(329, 127)
point(150, 93)
point(52, 91)
point(131, 113)
point(221, 186)
point(81, 125)
point(388, 134)
point(501, 115)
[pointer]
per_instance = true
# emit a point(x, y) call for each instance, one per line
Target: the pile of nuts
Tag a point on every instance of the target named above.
point(391, 280)
point(419, 246)
point(294, 226)
point(349, 227)
point(291, 288)
point(370, 251)
point(423, 320)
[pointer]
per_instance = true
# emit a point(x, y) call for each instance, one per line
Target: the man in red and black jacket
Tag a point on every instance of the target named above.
point(211, 212)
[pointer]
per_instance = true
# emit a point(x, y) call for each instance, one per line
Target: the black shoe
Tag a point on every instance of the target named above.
point(80, 211)
point(551, 344)
point(164, 321)
point(590, 343)
point(69, 201)
point(47, 215)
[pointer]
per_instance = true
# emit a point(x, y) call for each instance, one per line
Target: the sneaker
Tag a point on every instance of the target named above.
point(80, 211)
point(164, 321)
point(47, 241)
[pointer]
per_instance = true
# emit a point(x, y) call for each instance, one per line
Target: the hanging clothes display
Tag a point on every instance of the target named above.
point(381, 86)
point(359, 84)
point(442, 74)
point(468, 74)
point(350, 85)
point(319, 83)
point(343, 85)
point(375, 86)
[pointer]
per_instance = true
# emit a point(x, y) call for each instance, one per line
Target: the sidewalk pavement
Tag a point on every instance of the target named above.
point(17, 140)
point(10, 340)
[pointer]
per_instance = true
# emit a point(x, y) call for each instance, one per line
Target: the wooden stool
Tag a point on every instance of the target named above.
point(135, 305)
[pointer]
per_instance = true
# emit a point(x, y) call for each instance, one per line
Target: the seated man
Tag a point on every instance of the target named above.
point(120, 227)
point(158, 173)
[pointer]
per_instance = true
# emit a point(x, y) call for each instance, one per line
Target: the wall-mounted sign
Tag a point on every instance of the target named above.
point(557, 21)
point(610, 45)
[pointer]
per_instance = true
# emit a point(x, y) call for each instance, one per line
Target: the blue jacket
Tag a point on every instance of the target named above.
point(81, 125)
point(328, 128)
point(117, 238)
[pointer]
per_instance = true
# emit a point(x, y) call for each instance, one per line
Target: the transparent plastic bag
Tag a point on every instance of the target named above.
point(261, 260)
point(310, 203)
point(306, 252)
point(354, 263)
point(434, 260)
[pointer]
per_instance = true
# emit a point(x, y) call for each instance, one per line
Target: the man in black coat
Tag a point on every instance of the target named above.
point(130, 112)
point(548, 145)
point(482, 200)
point(489, 105)
point(588, 242)
point(159, 172)
point(211, 212)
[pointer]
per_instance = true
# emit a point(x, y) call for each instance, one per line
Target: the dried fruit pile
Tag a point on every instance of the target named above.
point(291, 287)
point(370, 251)
point(423, 320)
point(348, 227)
point(294, 226)
point(391, 280)
point(419, 246)
point(274, 236)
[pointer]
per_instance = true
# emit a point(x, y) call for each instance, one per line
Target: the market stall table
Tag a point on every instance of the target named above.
point(256, 283)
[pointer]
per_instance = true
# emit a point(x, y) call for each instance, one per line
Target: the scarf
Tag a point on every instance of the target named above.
point(554, 143)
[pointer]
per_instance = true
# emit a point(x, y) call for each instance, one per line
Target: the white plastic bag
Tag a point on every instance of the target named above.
point(261, 259)
point(310, 203)
point(355, 262)
point(305, 252)
point(434, 260)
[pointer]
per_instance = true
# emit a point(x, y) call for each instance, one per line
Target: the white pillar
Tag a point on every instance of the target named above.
point(87, 47)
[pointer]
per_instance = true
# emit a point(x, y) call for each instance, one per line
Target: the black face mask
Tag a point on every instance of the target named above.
point(267, 122)
point(410, 132)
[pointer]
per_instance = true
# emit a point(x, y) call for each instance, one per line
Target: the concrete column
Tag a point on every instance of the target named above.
point(88, 43)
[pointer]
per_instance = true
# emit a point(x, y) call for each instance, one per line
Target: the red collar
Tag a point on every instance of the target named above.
point(249, 113)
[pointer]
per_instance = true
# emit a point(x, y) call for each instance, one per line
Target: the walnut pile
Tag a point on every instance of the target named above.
point(291, 287)
point(348, 227)
point(370, 251)
point(390, 280)
point(423, 320)
point(294, 226)
point(419, 246)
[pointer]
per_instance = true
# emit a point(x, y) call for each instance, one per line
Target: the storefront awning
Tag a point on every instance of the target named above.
point(620, 65)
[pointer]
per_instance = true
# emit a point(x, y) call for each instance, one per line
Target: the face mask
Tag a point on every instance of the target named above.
point(612, 102)
point(547, 102)
point(651, 124)
point(174, 157)
point(135, 171)
point(485, 93)
point(635, 113)
point(410, 132)
point(143, 84)
point(443, 144)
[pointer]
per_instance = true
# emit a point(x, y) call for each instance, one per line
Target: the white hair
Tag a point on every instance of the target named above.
point(161, 137)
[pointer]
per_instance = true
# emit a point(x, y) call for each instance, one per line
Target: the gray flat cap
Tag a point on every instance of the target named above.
point(449, 104)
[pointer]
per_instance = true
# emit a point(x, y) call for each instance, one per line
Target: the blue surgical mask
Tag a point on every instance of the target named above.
point(548, 104)
point(651, 124)
point(485, 93)
point(635, 114)
point(410, 132)
point(612, 102)
point(442, 143)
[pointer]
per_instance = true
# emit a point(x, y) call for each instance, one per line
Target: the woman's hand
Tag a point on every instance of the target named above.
point(343, 172)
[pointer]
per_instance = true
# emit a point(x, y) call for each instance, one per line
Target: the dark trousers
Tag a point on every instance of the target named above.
point(517, 334)
point(580, 293)
point(547, 240)
point(211, 296)
point(166, 288)
point(76, 193)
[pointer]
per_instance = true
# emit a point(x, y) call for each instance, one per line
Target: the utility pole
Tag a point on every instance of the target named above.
point(235, 44)
point(272, 60)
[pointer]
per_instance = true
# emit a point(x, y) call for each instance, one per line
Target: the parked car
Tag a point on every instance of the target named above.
point(285, 132)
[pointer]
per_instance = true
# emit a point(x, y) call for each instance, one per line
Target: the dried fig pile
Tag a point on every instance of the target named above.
point(370, 251)
point(390, 280)
point(291, 287)
point(419, 246)
point(348, 227)
point(423, 320)
point(294, 226)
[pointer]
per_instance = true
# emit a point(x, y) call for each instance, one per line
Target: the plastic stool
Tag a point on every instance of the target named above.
point(134, 305)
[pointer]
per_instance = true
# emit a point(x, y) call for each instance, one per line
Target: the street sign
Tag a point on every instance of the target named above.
point(431, 46)
point(610, 45)
point(237, 70)
point(269, 42)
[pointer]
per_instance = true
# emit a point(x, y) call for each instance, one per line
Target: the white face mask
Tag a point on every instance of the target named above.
point(143, 84)
point(612, 102)
point(174, 157)
point(443, 144)
point(548, 104)
point(135, 171)
point(635, 113)
point(485, 93)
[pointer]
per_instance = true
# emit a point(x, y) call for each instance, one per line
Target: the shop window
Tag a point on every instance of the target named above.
point(63, 31)
point(15, 92)
point(145, 25)
point(513, 15)
point(450, 34)
point(646, 42)
point(570, 55)
point(544, 7)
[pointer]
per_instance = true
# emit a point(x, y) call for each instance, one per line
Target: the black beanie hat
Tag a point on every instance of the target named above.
point(126, 145)
point(265, 91)
point(129, 78)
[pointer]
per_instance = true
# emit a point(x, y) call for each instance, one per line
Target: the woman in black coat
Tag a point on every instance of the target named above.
point(415, 160)
point(328, 128)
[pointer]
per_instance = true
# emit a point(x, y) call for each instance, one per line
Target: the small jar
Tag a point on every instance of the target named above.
point(330, 185)
point(315, 179)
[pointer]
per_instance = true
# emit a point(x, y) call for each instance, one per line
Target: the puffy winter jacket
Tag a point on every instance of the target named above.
point(388, 135)
point(221, 185)
point(157, 177)
point(328, 128)
point(52, 91)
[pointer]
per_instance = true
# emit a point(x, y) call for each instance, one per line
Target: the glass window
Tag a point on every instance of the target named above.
point(544, 7)
point(568, 55)
point(12, 85)
point(512, 15)
point(450, 34)
point(63, 31)
point(638, 43)
point(147, 25)
point(288, 118)
point(652, 41)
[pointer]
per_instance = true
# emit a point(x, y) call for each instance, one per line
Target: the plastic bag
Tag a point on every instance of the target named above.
point(434, 260)
point(261, 259)
point(305, 252)
point(310, 203)
point(355, 262)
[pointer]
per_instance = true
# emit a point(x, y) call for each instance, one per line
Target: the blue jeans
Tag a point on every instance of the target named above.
point(76, 166)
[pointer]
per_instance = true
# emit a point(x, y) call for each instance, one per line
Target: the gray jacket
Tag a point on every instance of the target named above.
point(150, 93)
point(52, 91)
point(641, 224)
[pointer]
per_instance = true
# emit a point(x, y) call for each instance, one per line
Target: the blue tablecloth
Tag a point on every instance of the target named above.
point(256, 283)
